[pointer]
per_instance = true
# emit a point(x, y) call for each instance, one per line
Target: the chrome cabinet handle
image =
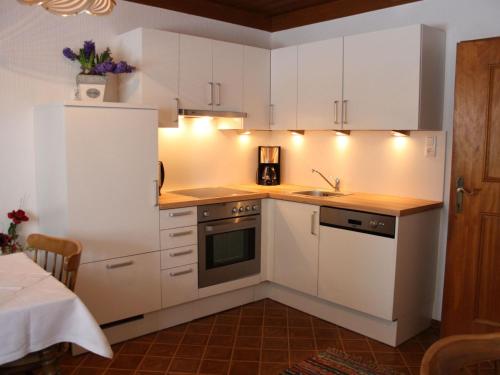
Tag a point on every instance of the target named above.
point(157, 192)
point(218, 86)
point(119, 265)
point(173, 274)
point(344, 111)
point(211, 88)
point(178, 254)
point(313, 223)
point(336, 111)
point(179, 213)
point(179, 234)
point(271, 114)
point(175, 117)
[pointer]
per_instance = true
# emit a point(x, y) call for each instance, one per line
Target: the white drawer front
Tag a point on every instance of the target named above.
point(178, 237)
point(179, 256)
point(179, 285)
point(122, 287)
point(178, 217)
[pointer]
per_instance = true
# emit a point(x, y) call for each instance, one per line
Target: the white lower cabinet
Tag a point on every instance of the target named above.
point(179, 285)
point(177, 237)
point(122, 287)
point(179, 256)
point(357, 270)
point(296, 242)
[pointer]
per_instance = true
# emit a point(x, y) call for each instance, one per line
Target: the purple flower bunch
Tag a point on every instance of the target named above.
point(92, 62)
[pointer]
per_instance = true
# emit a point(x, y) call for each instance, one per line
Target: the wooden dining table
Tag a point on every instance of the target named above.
point(37, 311)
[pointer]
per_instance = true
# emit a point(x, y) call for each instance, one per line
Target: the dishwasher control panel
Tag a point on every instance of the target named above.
point(359, 221)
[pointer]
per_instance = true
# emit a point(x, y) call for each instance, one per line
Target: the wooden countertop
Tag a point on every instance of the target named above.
point(381, 204)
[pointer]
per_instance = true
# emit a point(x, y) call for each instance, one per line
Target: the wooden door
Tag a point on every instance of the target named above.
point(382, 79)
point(284, 88)
point(320, 85)
point(472, 280)
point(296, 246)
point(256, 87)
point(227, 76)
point(195, 73)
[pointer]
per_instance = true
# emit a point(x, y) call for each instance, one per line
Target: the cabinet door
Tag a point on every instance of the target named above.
point(320, 85)
point(296, 230)
point(256, 87)
point(195, 69)
point(120, 288)
point(112, 172)
point(227, 76)
point(179, 285)
point(156, 81)
point(357, 270)
point(382, 79)
point(284, 88)
point(160, 74)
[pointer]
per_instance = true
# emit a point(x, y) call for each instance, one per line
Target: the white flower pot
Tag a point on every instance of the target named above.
point(91, 87)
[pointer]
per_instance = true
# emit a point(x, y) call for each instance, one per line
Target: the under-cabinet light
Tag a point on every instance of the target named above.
point(400, 133)
point(297, 132)
point(342, 132)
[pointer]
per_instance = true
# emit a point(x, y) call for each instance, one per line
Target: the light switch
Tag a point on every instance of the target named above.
point(430, 146)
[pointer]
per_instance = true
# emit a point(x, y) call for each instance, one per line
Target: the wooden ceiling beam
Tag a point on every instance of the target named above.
point(261, 20)
point(214, 11)
point(329, 11)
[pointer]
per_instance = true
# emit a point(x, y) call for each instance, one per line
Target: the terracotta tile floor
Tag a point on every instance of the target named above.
point(261, 338)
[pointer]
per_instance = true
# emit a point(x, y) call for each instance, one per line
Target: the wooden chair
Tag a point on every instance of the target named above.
point(66, 256)
point(450, 354)
point(61, 257)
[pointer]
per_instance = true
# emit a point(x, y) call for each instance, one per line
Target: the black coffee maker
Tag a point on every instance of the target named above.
point(268, 170)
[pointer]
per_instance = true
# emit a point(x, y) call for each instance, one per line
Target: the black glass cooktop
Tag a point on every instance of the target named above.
point(211, 192)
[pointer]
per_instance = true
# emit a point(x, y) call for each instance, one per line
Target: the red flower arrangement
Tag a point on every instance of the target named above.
point(9, 241)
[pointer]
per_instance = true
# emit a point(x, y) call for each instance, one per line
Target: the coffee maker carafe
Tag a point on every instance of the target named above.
point(268, 171)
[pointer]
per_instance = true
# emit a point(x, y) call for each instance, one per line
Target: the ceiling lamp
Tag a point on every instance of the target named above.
point(73, 7)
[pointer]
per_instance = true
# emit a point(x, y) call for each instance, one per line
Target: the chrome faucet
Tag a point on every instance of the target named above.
point(335, 187)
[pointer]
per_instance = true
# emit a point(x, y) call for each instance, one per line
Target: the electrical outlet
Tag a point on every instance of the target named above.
point(430, 146)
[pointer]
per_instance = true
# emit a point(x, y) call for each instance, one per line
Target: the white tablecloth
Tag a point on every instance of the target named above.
point(37, 311)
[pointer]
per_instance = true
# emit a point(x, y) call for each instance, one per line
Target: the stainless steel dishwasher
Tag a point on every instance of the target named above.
point(357, 260)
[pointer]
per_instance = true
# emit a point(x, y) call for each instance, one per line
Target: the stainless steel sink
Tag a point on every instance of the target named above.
point(320, 193)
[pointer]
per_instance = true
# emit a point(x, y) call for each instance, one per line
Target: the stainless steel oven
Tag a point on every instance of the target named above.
point(228, 241)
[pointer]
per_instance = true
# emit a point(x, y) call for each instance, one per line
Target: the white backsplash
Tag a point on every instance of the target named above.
point(199, 154)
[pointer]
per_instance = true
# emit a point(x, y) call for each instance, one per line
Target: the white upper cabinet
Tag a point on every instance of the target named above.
point(211, 74)
point(195, 81)
point(256, 87)
point(320, 85)
point(227, 76)
point(284, 88)
point(296, 246)
point(393, 79)
point(155, 53)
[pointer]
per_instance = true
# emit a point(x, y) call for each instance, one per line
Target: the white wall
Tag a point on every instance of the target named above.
point(33, 71)
point(462, 20)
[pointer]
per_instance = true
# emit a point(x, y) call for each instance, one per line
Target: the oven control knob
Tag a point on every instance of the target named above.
point(206, 214)
point(247, 208)
point(242, 209)
point(373, 223)
point(255, 207)
point(234, 210)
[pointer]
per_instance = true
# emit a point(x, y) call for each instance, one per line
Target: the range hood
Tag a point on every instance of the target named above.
point(206, 112)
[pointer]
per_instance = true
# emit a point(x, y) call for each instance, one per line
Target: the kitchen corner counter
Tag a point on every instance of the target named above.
point(376, 203)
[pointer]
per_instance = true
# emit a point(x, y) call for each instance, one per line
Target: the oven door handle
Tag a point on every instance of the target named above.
point(241, 224)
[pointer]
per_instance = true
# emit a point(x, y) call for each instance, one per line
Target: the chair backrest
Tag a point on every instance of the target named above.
point(450, 354)
point(49, 250)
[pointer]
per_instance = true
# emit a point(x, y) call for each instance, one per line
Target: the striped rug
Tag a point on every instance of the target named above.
point(336, 362)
